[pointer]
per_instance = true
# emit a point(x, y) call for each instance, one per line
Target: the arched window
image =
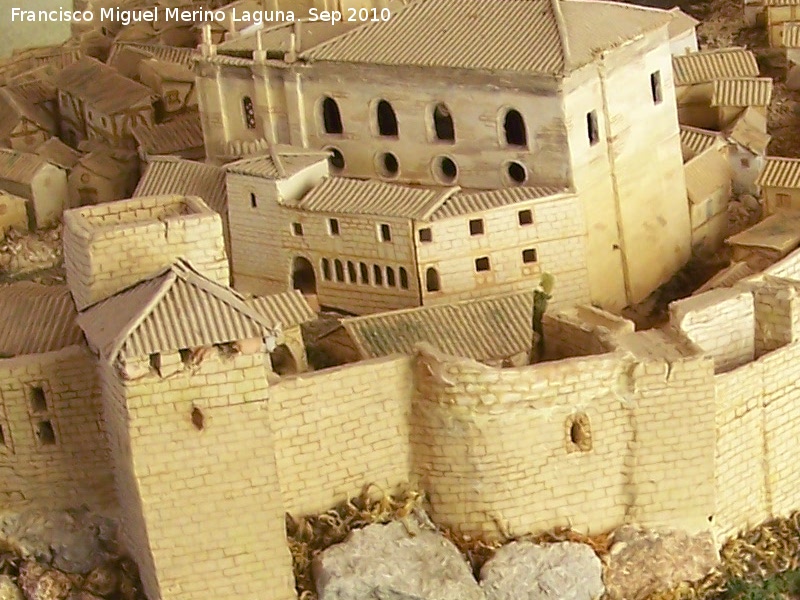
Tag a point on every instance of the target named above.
point(443, 127)
point(364, 273)
point(390, 280)
point(387, 119)
point(326, 269)
point(377, 275)
point(514, 128)
point(403, 278)
point(249, 112)
point(432, 283)
point(331, 117)
point(337, 264)
point(351, 271)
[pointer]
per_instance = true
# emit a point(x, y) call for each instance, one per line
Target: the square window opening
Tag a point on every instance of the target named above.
point(333, 226)
point(476, 227)
point(529, 256)
point(425, 235)
point(385, 232)
point(525, 217)
point(482, 264)
point(38, 399)
point(297, 229)
point(46, 433)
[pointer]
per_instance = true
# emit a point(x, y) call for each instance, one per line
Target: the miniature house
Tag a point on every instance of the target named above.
point(58, 153)
point(712, 87)
point(780, 184)
point(780, 13)
point(747, 150)
point(42, 184)
point(103, 176)
point(542, 119)
point(23, 126)
point(13, 213)
point(95, 101)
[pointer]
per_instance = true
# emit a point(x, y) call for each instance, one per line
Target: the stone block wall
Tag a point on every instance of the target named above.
point(206, 479)
point(581, 331)
point(52, 445)
point(338, 430)
point(111, 246)
point(722, 322)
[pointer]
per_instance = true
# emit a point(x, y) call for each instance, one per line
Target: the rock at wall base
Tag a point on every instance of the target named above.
point(8, 590)
point(562, 571)
point(385, 562)
point(642, 562)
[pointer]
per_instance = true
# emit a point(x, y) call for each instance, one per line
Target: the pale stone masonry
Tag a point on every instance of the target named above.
point(111, 246)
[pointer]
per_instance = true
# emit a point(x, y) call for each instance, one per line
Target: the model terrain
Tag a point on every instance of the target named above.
point(466, 283)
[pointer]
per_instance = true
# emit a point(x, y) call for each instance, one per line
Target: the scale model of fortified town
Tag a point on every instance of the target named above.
point(530, 258)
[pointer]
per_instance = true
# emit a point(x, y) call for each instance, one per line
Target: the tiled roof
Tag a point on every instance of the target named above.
point(176, 309)
point(791, 34)
point(19, 167)
point(695, 141)
point(35, 92)
point(704, 177)
point(472, 201)
point(58, 153)
point(780, 172)
point(706, 66)
point(170, 175)
point(487, 329)
point(278, 37)
point(751, 91)
point(20, 62)
point(288, 308)
point(265, 165)
point(359, 197)
point(13, 107)
point(750, 131)
point(780, 232)
point(171, 54)
point(36, 318)
point(781, 2)
point(101, 86)
point(182, 133)
point(549, 37)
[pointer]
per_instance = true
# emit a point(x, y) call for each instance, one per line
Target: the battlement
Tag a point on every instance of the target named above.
point(109, 247)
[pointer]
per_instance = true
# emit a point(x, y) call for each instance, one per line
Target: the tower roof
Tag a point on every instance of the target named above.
point(176, 309)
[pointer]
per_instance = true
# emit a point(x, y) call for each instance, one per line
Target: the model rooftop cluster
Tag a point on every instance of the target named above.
point(424, 184)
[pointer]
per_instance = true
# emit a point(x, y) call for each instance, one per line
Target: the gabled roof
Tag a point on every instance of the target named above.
point(467, 202)
point(749, 91)
point(172, 175)
point(36, 318)
point(182, 133)
point(780, 172)
point(487, 329)
point(369, 197)
point(547, 37)
point(103, 164)
point(706, 176)
point(282, 162)
point(708, 65)
point(35, 92)
point(174, 310)
point(791, 34)
point(58, 153)
point(288, 309)
point(680, 23)
point(101, 86)
point(695, 141)
point(20, 167)
point(749, 131)
point(162, 52)
point(780, 232)
point(14, 107)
